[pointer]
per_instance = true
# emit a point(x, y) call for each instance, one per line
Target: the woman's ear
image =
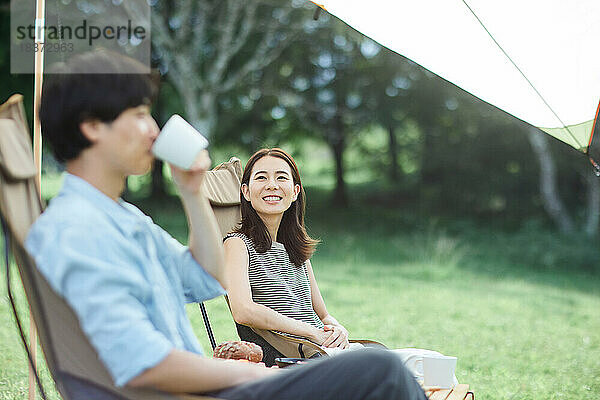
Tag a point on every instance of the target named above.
point(91, 129)
point(296, 191)
point(245, 191)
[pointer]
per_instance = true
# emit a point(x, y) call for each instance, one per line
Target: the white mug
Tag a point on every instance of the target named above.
point(438, 371)
point(179, 143)
point(413, 361)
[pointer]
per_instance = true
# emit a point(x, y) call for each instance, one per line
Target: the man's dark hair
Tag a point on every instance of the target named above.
point(90, 86)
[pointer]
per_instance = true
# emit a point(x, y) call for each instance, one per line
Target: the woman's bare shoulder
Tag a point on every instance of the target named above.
point(234, 244)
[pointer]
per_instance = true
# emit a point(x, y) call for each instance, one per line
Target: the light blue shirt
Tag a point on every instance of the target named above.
point(125, 277)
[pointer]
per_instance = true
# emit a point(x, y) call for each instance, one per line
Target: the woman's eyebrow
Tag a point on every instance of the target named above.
point(281, 171)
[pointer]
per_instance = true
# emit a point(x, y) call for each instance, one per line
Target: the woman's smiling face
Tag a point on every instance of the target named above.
point(271, 188)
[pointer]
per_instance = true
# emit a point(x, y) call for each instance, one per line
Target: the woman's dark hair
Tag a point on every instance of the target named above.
point(97, 85)
point(292, 232)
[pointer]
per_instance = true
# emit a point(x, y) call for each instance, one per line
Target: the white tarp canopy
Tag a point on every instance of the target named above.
point(538, 60)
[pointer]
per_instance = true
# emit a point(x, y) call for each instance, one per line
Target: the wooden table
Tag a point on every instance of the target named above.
point(458, 392)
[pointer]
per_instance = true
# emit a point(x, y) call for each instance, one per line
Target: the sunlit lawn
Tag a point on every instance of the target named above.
point(520, 310)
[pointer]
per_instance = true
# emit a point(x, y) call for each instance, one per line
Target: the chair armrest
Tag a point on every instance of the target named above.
point(307, 345)
point(311, 346)
point(369, 343)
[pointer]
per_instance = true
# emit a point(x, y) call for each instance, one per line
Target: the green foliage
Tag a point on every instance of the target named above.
point(12, 84)
point(385, 120)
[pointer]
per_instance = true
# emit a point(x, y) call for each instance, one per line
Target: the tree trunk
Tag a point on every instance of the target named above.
point(208, 114)
point(158, 181)
point(158, 184)
point(338, 144)
point(340, 196)
point(593, 203)
point(548, 187)
point(200, 111)
point(393, 147)
point(427, 175)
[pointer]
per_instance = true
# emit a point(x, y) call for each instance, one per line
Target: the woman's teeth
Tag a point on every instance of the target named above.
point(271, 198)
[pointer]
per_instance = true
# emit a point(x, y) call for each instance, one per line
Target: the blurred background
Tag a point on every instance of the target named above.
point(478, 231)
point(368, 120)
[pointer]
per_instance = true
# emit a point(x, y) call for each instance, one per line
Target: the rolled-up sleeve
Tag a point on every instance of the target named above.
point(107, 293)
point(198, 285)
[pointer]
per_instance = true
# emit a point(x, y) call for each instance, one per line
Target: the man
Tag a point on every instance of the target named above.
point(128, 280)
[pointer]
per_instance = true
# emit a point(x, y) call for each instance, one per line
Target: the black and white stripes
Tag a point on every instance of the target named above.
point(278, 284)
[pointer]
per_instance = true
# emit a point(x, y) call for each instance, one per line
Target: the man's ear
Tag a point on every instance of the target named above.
point(91, 129)
point(245, 191)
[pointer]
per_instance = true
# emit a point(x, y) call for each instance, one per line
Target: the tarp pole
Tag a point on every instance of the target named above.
point(40, 12)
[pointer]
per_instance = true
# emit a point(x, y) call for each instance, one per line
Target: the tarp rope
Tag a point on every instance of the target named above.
point(595, 128)
point(523, 75)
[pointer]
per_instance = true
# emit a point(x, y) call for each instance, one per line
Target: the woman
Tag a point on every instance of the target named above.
point(268, 270)
point(271, 284)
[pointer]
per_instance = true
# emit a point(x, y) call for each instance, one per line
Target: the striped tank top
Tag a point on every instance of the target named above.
point(277, 283)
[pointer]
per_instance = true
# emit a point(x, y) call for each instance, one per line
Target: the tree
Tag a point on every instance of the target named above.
point(11, 84)
point(208, 48)
point(553, 204)
point(549, 189)
point(592, 215)
point(389, 98)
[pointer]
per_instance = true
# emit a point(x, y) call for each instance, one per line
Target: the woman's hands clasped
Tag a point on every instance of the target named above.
point(338, 337)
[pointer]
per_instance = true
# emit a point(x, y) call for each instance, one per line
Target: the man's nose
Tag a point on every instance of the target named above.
point(154, 129)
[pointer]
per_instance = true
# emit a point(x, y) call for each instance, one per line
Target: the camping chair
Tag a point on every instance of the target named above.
point(222, 187)
point(72, 361)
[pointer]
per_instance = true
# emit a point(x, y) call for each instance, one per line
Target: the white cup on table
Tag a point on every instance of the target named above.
point(438, 371)
point(413, 359)
point(179, 143)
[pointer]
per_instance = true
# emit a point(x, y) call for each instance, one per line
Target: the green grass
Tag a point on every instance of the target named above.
point(520, 309)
